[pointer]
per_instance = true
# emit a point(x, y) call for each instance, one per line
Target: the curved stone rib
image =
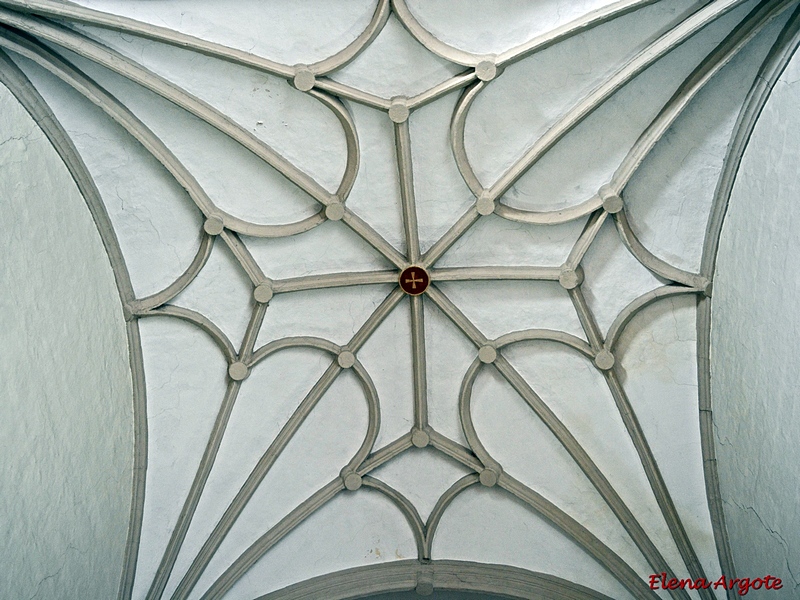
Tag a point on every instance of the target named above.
point(607, 492)
point(122, 65)
point(427, 39)
point(203, 322)
point(601, 553)
point(566, 524)
point(540, 42)
point(549, 217)
point(140, 438)
point(195, 492)
point(22, 89)
point(409, 511)
point(358, 45)
point(252, 482)
point(752, 24)
point(457, 143)
point(288, 431)
point(135, 127)
point(74, 12)
point(547, 335)
point(465, 416)
point(265, 463)
point(650, 261)
point(405, 575)
point(180, 284)
point(261, 546)
point(442, 504)
point(293, 342)
point(351, 139)
point(33, 102)
point(631, 310)
point(559, 430)
point(26, 46)
point(457, 127)
point(373, 418)
point(620, 78)
point(70, 75)
point(782, 51)
point(80, 14)
point(588, 21)
point(773, 66)
point(575, 27)
point(636, 434)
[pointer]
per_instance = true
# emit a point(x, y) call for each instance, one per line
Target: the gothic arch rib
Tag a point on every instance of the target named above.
point(19, 85)
point(660, 542)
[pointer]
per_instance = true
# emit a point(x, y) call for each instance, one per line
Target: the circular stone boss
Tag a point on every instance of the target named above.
point(414, 280)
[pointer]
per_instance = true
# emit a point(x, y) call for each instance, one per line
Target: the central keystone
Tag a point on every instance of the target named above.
point(414, 280)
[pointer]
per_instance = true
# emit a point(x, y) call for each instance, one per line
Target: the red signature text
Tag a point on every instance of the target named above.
point(742, 585)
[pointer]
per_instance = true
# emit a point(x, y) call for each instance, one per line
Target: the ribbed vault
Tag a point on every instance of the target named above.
point(425, 285)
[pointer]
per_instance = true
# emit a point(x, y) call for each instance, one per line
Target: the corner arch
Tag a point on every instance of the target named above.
point(440, 575)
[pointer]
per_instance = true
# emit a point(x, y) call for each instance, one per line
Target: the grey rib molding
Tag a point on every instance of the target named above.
point(402, 576)
point(782, 51)
point(41, 31)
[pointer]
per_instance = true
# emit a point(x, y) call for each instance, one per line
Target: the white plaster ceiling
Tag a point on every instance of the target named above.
point(65, 381)
point(557, 175)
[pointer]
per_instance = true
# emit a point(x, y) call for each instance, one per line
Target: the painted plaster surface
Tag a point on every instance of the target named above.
point(755, 353)
point(155, 228)
point(435, 596)
point(65, 384)
point(296, 32)
point(502, 528)
point(658, 364)
point(537, 406)
point(671, 194)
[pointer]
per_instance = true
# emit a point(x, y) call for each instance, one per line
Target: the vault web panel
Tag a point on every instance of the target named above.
point(413, 149)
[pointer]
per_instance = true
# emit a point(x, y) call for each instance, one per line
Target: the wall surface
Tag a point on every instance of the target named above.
point(65, 388)
point(535, 409)
point(754, 347)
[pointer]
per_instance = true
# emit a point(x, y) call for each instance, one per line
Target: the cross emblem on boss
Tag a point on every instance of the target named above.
point(414, 280)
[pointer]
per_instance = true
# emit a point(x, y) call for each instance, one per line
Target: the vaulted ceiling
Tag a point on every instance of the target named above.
point(411, 295)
